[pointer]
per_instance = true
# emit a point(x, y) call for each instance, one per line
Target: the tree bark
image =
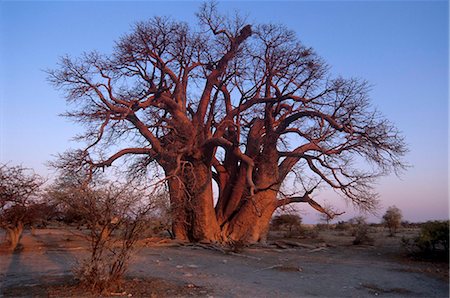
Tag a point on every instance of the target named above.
point(251, 222)
point(14, 235)
point(238, 216)
point(192, 205)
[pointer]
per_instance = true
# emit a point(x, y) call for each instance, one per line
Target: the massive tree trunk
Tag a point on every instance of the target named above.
point(192, 205)
point(251, 222)
point(241, 213)
point(194, 218)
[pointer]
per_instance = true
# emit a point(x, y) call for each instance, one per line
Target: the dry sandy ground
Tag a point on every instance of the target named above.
point(340, 271)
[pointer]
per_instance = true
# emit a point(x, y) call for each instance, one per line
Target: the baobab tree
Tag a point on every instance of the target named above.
point(241, 105)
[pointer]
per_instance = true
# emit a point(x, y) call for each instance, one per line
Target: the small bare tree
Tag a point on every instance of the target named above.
point(19, 190)
point(392, 219)
point(115, 215)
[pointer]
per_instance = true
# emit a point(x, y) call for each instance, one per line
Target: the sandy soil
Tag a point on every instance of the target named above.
point(342, 270)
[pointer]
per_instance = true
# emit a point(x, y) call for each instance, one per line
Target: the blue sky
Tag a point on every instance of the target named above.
point(400, 47)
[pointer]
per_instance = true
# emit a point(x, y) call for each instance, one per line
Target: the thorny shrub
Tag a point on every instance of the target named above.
point(115, 215)
point(432, 242)
point(343, 226)
point(361, 231)
point(289, 223)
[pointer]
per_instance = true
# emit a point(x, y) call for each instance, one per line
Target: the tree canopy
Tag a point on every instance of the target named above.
point(242, 104)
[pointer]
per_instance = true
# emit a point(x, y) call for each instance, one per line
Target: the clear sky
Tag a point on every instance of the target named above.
point(400, 47)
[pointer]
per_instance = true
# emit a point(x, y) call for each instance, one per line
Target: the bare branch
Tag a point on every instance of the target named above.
point(109, 161)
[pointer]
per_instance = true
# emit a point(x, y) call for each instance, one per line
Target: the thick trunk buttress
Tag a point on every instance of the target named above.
point(238, 216)
point(194, 218)
point(251, 222)
point(192, 206)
